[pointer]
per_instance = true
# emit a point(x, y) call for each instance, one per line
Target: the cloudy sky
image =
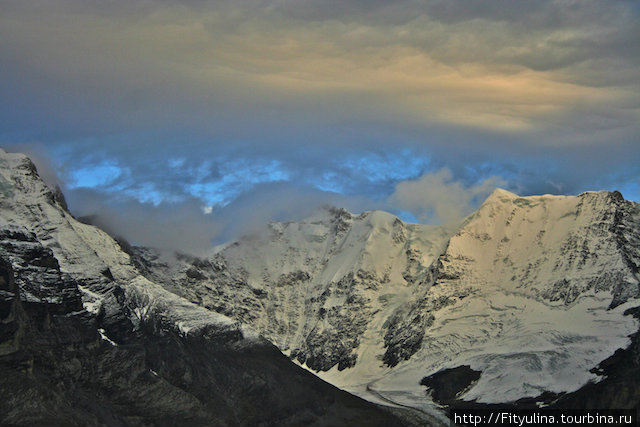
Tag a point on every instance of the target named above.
point(222, 114)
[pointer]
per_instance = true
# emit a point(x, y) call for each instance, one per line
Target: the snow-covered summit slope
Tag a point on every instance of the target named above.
point(531, 291)
point(334, 243)
point(552, 247)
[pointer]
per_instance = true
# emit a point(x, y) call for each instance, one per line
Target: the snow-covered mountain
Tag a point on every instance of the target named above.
point(531, 292)
point(86, 339)
point(529, 297)
point(320, 288)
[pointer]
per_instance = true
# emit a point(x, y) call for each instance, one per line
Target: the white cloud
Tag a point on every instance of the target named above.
point(436, 197)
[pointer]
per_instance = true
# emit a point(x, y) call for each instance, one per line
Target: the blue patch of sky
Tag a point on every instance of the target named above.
point(110, 177)
point(329, 181)
point(146, 193)
point(212, 193)
point(97, 175)
point(630, 190)
point(406, 216)
point(368, 173)
point(376, 167)
point(217, 182)
point(237, 176)
point(176, 162)
point(474, 174)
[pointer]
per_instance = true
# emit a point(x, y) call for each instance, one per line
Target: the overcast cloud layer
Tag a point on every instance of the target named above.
point(207, 106)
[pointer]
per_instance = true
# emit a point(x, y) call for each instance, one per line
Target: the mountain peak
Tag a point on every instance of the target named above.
point(18, 158)
point(330, 212)
point(603, 194)
point(501, 195)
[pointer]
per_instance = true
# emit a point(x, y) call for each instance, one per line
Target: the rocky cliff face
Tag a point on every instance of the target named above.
point(85, 339)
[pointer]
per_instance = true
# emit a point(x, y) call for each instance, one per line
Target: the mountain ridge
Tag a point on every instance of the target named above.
point(571, 259)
